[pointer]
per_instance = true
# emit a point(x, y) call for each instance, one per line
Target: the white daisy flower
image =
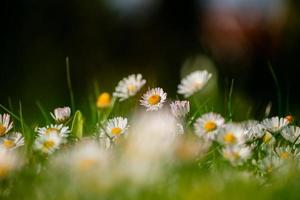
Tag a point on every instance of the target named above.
point(193, 83)
point(12, 141)
point(231, 135)
point(236, 154)
point(86, 156)
point(207, 125)
point(275, 124)
point(129, 86)
point(254, 132)
point(57, 129)
point(248, 124)
point(269, 164)
point(180, 108)
point(285, 153)
point(48, 143)
point(116, 126)
point(61, 115)
point(153, 99)
point(9, 161)
point(5, 124)
point(291, 133)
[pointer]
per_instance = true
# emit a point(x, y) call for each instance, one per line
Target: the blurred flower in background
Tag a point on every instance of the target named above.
point(234, 29)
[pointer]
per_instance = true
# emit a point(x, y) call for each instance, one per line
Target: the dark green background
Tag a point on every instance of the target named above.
point(105, 45)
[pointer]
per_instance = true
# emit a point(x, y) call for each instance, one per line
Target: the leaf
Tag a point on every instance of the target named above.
point(77, 125)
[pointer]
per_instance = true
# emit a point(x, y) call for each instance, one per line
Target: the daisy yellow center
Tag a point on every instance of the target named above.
point(49, 144)
point(2, 129)
point(154, 99)
point(131, 88)
point(116, 131)
point(4, 169)
point(104, 100)
point(229, 138)
point(8, 144)
point(197, 85)
point(270, 169)
point(267, 137)
point(210, 126)
point(284, 155)
point(51, 130)
point(86, 164)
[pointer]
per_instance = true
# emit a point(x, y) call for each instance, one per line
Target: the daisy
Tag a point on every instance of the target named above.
point(86, 156)
point(275, 124)
point(232, 134)
point(5, 124)
point(284, 153)
point(237, 154)
point(291, 133)
point(254, 132)
point(61, 115)
point(104, 100)
point(56, 129)
point(180, 108)
point(116, 126)
point(48, 143)
point(269, 164)
point(193, 83)
point(9, 162)
point(153, 99)
point(129, 86)
point(207, 125)
point(12, 141)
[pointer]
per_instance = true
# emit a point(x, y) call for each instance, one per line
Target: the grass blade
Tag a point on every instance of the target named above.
point(70, 83)
point(278, 91)
point(229, 103)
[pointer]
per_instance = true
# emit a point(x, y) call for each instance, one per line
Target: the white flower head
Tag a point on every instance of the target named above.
point(48, 143)
point(291, 133)
point(236, 154)
point(61, 114)
point(269, 164)
point(56, 129)
point(207, 126)
point(86, 156)
point(9, 161)
point(12, 141)
point(275, 124)
point(254, 132)
point(5, 124)
point(285, 153)
point(231, 135)
point(180, 108)
point(153, 99)
point(115, 127)
point(149, 146)
point(129, 86)
point(193, 83)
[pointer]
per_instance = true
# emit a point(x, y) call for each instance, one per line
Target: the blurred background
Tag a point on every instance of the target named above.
point(106, 40)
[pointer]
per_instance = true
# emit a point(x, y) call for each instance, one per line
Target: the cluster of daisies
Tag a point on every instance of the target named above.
point(10, 141)
point(266, 145)
point(51, 137)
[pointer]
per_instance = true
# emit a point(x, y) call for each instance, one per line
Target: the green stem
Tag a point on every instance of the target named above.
point(70, 84)
point(279, 96)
